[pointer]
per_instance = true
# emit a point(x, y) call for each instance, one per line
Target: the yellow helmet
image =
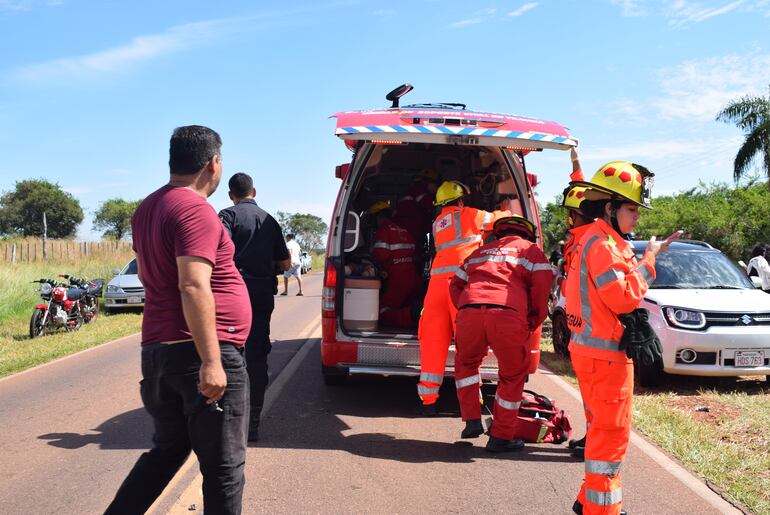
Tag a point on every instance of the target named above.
point(623, 180)
point(516, 222)
point(573, 197)
point(449, 191)
point(377, 207)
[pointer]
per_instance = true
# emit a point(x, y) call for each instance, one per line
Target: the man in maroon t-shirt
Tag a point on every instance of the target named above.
point(196, 319)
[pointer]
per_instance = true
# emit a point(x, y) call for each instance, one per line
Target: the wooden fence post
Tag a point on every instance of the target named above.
point(13, 254)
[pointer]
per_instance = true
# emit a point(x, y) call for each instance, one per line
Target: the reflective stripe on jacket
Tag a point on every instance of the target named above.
point(393, 246)
point(458, 231)
point(569, 250)
point(511, 272)
point(603, 281)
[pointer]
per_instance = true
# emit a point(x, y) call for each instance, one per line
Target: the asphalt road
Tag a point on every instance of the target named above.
point(73, 429)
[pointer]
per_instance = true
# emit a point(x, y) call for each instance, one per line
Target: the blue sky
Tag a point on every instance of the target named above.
point(90, 91)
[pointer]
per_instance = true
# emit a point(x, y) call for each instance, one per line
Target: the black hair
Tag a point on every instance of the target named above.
point(240, 185)
point(592, 208)
point(191, 148)
point(290, 236)
point(760, 249)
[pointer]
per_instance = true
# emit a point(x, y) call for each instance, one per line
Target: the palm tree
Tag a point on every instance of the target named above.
point(752, 115)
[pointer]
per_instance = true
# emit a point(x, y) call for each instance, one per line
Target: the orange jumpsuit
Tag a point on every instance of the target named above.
point(501, 292)
point(603, 281)
point(457, 231)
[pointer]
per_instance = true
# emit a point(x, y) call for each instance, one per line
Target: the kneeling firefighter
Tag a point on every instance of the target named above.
point(457, 231)
point(604, 282)
point(501, 292)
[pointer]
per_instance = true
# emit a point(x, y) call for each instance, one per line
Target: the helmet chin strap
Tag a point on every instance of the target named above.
point(614, 206)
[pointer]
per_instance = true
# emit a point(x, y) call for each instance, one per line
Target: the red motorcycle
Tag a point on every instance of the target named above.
point(60, 308)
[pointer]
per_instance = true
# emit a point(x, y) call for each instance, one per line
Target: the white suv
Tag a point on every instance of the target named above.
point(709, 317)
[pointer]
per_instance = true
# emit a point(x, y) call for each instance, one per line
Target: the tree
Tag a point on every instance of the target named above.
point(553, 222)
point(752, 115)
point(309, 230)
point(114, 217)
point(21, 210)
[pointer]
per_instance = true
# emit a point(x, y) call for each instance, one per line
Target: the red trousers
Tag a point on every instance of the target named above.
point(395, 302)
point(435, 334)
point(607, 389)
point(506, 332)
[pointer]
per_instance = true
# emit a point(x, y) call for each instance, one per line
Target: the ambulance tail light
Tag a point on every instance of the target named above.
point(329, 292)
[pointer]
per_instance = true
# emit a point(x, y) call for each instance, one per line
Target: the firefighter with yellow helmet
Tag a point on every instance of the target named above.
point(605, 284)
point(457, 231)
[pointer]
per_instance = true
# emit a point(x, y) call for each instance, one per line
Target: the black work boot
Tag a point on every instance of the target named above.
point(578, 508)
point(579, 453)
point(577, 443)
point(428, 410)
point(473, 429)
point(499, 445)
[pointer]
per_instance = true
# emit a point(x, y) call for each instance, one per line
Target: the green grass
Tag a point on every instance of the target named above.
point(728, 446)
point(18, 298)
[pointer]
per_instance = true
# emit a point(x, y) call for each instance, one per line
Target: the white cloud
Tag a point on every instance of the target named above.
point(654, 150)
point(147, 47)
point(696, 90)
point(682, 12)
point(524, 8)
point(15, 5)
point(630, 7)
point(464, 23)
point(139, 49)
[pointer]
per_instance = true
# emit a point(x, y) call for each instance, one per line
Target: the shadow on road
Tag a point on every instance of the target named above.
point(318, 423)
point(129, 430)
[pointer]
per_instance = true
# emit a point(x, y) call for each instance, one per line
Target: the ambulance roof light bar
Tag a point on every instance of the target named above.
point(395, 95)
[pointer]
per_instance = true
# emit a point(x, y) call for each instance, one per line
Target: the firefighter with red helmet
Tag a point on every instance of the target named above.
point(394, 251)
point(501, 292)
point(457, 231)
point(604, 284)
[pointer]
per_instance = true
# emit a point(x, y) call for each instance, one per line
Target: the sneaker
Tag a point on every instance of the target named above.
point(473, 429)
point(299, 294)
point(285, 293)
point(499, 445)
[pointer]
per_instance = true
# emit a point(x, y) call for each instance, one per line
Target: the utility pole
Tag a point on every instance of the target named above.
point(45, 237)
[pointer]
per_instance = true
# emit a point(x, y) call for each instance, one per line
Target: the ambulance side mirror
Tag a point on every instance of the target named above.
point(532, 178)
point(341, 171)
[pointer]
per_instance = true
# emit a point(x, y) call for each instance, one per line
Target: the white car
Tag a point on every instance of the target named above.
point(710, 318)
point(306, 262)
point(124, 290)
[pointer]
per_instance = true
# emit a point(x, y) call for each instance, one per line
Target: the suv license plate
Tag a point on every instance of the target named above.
point(749, 359)
point(138, 300)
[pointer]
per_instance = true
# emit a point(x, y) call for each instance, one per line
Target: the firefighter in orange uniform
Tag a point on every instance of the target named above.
point(501, 292)
point(457, 231)
point(603, 282)
point(394, 252)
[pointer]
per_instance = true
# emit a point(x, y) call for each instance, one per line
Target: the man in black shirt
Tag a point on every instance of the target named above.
point(260, 253)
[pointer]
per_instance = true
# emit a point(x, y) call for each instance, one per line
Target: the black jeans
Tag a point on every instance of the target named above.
point(258, 343)
point(183, 422)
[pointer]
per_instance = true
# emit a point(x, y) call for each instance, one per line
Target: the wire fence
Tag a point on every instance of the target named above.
point(31, 250)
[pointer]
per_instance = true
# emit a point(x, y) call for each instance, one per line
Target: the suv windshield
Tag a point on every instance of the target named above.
point(687, 269)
